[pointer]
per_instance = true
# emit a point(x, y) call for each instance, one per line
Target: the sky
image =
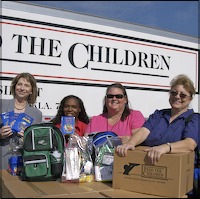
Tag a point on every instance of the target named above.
point(174, 16)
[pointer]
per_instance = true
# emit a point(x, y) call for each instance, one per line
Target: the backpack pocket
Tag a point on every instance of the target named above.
point(40, 139)
point(36, 166)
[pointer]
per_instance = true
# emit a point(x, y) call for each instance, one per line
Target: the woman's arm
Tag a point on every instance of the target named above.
point(182, 146)
point(186, 145)
point(137, 138)
point(126, 138)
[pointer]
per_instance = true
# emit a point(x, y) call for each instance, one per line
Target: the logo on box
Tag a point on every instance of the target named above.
point(156, 172)
point(128, 168)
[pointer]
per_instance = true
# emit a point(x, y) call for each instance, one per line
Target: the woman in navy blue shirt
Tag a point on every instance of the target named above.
point(166, 131)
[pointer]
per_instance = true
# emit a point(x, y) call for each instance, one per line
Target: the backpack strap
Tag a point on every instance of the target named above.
point(165, 110)
point(188, 119)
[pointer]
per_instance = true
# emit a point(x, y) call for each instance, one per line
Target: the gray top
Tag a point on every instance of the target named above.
point(6, 106)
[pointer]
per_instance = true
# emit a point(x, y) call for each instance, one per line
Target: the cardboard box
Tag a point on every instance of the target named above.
point(13, 187)
point(96, 186)
point(172, 176)
point(119, 193)
point(4, 177)
point(78, 195)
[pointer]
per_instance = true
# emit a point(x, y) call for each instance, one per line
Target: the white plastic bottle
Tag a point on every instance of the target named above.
point(57, 155)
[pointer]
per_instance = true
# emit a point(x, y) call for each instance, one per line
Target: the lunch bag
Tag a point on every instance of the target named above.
point(98, 139)
point(104, 144)
point(101, 137)
point(42, 153)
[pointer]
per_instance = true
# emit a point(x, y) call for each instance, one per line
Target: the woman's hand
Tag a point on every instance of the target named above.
point(154, 153)
point(124, 139)
point(21, 133)
point(122, 149)
point(5, 132)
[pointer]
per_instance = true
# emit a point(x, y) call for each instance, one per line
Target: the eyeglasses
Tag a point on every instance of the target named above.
point(118, 96)
point(182, 95)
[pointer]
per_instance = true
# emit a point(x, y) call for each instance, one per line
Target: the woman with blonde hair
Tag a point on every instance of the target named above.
point(165, 130)
point(24, 91)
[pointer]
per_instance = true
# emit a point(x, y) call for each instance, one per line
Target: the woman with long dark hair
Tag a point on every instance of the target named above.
point(72, 105)
point(117, 116)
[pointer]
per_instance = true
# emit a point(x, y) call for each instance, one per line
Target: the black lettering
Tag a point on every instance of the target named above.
point(39, 105)
point(57, 105)
point(107, 55)
point(115, 57)
point(51, 47)
point(127, 58)
point(99, 53)
point(39, 92)
point(71, 55)
point(32, 52)
point(0, 41)
point(1, 90)
point(154, 61)
point(91, 53)
point(5, 90)
point(19, 43)
point(46, 106)
point(142, 59)
point(165, 61)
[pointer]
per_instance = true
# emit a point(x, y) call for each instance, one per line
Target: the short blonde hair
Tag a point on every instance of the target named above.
point(185, 81)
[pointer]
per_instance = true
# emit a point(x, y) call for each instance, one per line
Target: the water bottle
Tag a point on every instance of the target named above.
point(56, 163)
point(57, 155)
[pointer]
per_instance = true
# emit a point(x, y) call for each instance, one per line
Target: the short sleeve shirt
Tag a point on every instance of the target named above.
point(161, 131)
point(122, 128)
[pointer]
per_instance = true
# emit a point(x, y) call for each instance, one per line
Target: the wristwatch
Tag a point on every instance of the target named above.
point(170, 147)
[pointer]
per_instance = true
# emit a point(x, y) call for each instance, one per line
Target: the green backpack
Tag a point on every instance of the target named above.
point(42, 153)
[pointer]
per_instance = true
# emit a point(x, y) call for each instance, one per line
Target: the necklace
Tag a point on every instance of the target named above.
point(116, 123)
point(19, 109)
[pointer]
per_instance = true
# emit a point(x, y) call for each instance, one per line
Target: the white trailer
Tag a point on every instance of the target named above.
point(73, 53)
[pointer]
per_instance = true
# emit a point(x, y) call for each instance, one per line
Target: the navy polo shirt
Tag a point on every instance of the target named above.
point(161, 131)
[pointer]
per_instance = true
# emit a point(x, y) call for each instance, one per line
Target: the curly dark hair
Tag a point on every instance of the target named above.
point(83, 117)
point(127, 110)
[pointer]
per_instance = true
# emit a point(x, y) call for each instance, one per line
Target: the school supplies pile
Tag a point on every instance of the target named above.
point(78, 162)
point(104, 144)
